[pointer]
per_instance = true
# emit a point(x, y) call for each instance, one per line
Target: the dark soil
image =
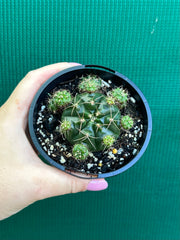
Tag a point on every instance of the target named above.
point(59, 149)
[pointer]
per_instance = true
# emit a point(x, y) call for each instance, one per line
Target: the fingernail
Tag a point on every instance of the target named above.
point(97, 185)
point(74, 63)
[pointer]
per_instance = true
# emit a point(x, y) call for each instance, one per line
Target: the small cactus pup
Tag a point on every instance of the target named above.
point(65, 126)
point(80, 152)
point(108, 140)
point(120, 96)
point(59, 100)
point(127, 122)
point(93, 121)
point(90, 83)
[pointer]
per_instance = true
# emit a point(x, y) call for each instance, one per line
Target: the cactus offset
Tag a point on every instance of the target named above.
point(127, 122)
point(108, 140)
point(120, 96)
point(59, 99)
point(80, 151)
point(92, 118)
point(90, 83)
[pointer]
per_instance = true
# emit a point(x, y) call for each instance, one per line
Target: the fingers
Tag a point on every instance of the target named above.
point(19, 102)
point(51, 182)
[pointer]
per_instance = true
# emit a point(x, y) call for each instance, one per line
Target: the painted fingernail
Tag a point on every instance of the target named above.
point(74, 63)
point(97, 185)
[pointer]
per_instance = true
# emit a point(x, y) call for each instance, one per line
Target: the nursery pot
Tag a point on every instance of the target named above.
point(106, 74)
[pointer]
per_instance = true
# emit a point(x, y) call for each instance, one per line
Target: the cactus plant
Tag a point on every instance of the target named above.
point(80, 151)
point(92, 119)
point(127, 122)
point(90, 83)
point(108, 140)
point(65, 126)
point(120, 96)
point(59, 99)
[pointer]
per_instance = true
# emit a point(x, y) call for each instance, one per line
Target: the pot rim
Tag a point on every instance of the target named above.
point(61, 167)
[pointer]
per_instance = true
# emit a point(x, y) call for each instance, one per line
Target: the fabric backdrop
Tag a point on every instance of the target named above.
point(140, 39)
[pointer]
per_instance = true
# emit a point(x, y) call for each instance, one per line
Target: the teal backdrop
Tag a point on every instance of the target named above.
point(140, 39)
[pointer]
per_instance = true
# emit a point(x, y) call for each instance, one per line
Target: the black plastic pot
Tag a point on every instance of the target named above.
point(106, 74)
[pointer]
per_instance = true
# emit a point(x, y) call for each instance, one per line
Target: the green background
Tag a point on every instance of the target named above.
point(140, 39)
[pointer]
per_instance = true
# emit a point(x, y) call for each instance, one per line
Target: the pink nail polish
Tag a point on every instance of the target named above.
point(97, 185)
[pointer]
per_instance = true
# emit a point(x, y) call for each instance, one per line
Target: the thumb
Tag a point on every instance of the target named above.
point(50, 182)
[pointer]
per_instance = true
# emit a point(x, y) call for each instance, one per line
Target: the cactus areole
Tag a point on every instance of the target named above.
point(90, 119)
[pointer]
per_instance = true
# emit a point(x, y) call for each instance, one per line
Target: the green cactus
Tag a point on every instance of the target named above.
point(90, 83)
point(108, 140)
point(127, 122)
point(59, 99)
point(65, 126)
point(91, 118)
point(120, 96)
point(80, 151)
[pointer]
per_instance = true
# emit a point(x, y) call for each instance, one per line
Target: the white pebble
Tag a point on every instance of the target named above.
point(111, 155)
point(105, 83)
point(57, 144)
point(51, 136)
point(62, 160)
point(51, 147)
point(41, 132)
point(141, 126)
point(69, 155)
point(119, 150)
point(46, 140)
point(57, 128)
point(109, 81)
point(121, 159)
point(45, 148)
point(135, 139)
point(95, 159)
point(89, 165)
point(140, 134)
point(91, 154)
point(49, 152)
point(134, 151)
point(130, 135)
point(132, 100)
point(43, 107)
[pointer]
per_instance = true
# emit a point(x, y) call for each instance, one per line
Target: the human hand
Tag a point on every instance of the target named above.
point(24, 178)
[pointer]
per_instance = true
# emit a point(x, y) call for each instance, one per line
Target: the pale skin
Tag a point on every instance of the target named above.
point(24, 178)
